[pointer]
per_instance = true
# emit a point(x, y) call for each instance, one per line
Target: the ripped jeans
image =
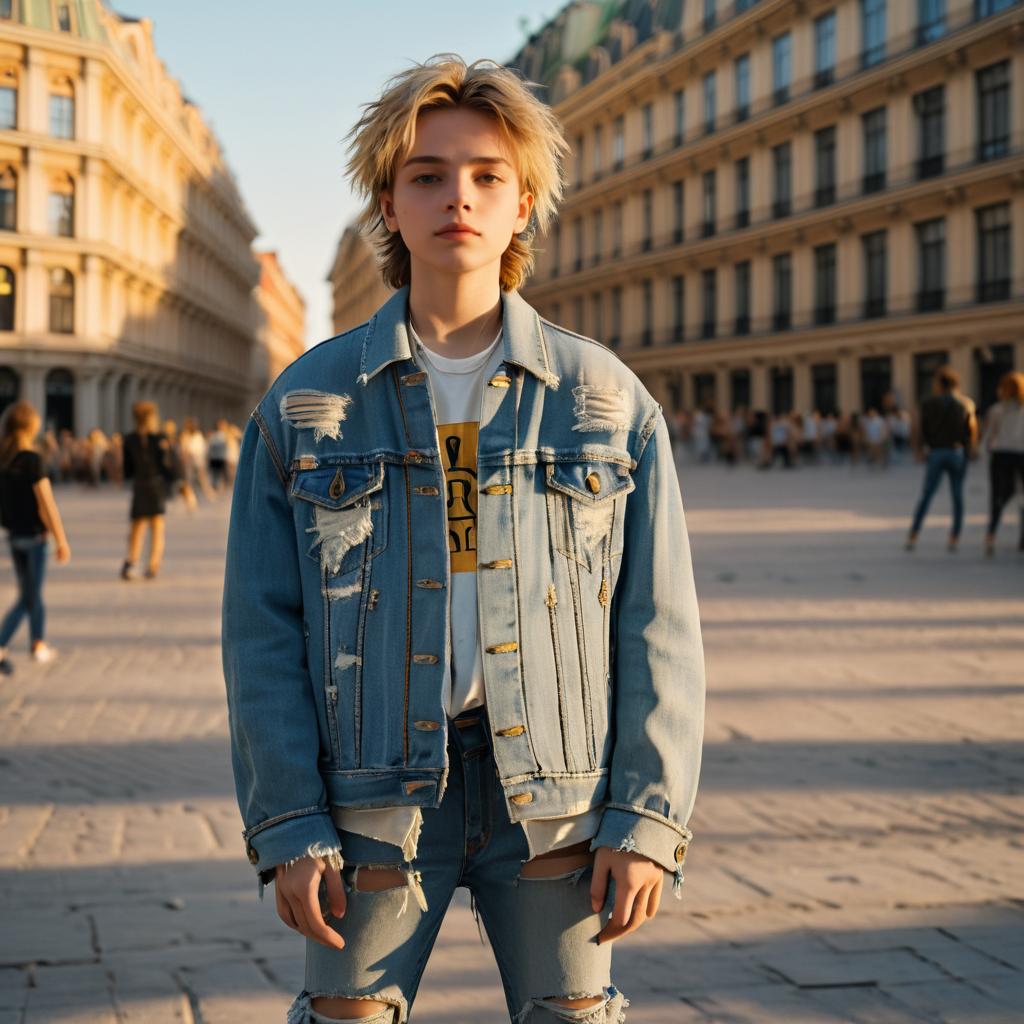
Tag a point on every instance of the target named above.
point(542, 930)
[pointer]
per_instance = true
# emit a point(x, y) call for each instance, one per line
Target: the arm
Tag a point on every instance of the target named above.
point(50, 516)
point(272, 714)
point(659, 671)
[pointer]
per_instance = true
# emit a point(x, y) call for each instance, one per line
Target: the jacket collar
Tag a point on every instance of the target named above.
point(387, 340)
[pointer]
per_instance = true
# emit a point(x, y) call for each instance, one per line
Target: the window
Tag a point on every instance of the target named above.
point(617, 213)
point(825, 166)
point(613, 338)
point(708, 218)
point(743, 192)
point(782, 390)
point(873, 124)
point(679, 116)
point(618, 143)
point(6, 9)
point(930, 109)
point(875, 380)
point(577, 244)
point(739, 389)
point(743, 87)
point(875, 273)
point(782, 186)
point(61, 207)
point(825, 283)
point(709, 15)
point(579, 160)
point(647, 121)
point(62, 301)
point(678, 308)
point(782, 291)
point(931, 20)
point(62, 116)
point(597, 316)
point(825, 387)
point(63, 18)
point(648, 201)
point(742, 299)
point(993, 252)
point(709, 102)
point(931, 264)
point(824, 50)
point(993, 87)
point(598, 236)
point(678, 212)
point(709, 302)
point(872, 23)
point(8, 200)
point(556, 249)
point(6, 299)
point(782, 67)
point(577, 314)
point(8, 107)
point(987, 7)
point(598, 143)
point(647, 293)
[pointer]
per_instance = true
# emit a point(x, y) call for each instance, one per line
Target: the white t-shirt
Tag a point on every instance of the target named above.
point(456, 386)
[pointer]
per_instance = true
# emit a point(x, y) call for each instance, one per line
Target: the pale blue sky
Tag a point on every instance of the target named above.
point(281, 84)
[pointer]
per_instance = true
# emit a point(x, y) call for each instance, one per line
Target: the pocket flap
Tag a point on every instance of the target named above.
point(590, 482)
point(337, 486)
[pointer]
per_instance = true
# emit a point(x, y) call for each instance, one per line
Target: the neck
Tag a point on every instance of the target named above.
point(456, 315)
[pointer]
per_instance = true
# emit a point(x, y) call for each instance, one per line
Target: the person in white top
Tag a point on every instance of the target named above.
point(1003, 439)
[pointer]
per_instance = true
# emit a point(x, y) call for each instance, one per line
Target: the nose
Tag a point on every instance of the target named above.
point(459, 199)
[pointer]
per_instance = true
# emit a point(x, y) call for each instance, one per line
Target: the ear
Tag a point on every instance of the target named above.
point(387, 210)
point(523, 214)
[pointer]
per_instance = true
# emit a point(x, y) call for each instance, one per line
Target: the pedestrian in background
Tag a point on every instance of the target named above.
point(948, 432)
point(1004, 441)
point(29, 514)
point(149, 466)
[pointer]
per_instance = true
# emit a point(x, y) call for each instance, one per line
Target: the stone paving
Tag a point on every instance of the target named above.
point(858, 830)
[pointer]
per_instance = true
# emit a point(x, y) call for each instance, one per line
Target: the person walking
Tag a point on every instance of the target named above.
point(948, 432)
point(30, 516)
point(148, 464)
point(460, 630)
point(1003, 439)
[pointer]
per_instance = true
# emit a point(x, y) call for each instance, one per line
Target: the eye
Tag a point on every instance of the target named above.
point(490, 178)
point(419, 179)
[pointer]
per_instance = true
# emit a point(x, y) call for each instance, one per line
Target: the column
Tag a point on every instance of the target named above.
point(903, 377)
point(802, 399)
point(87, 401)
point(759, 387)
point(33, 386)
point(848, 383)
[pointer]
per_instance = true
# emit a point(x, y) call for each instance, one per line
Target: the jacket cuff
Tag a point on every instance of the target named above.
point(288, 838)
point(652, 836)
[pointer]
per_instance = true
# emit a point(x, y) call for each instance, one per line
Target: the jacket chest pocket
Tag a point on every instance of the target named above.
point(343, 511)
point(583, 513)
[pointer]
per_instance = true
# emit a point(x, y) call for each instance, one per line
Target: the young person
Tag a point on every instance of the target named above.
point(1004, 442)
point(948, 434)
point(149, 465)
point(30, 516)
point(460, 632)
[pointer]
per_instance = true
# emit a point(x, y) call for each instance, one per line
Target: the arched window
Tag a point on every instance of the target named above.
point(7, 9)
point(62, 301)
point(63, 18)
point(60, 400)
point(10, 386)
point(8, 200)
point(6, 299)
point(8, 99)
point(62, 109)
point(62, 206)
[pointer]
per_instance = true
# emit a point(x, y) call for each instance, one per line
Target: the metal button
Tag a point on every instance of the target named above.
point(513, 730)
point(414, 378)
point(425, 659)
point(522, 798)
point(505, 648)
point(254, 857)
point(500, 380)
point(680, 853)
point(337, 488)
point(427, 726)
point(498, 563)
point(594, 482)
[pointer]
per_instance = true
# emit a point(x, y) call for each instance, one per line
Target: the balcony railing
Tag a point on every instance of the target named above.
point(931, 166)
point(874, 307)
point(824, 315)
point(993, 290)
point(930, 299)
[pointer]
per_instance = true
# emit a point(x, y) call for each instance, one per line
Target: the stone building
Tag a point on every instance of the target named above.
point(126, 267)
point(357, 290)
point(283, 338)
point(789, 203)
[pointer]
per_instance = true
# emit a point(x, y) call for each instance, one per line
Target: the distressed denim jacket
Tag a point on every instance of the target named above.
point(336, 613)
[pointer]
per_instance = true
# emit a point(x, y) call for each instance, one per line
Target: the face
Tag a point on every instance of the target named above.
point(456, 198)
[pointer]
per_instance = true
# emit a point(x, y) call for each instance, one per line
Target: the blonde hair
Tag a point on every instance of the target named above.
point(22, 419)
point(145, 414)
point(385, 131)
point(1011, 386)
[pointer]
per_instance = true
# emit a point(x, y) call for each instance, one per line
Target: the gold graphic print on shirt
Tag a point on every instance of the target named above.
point(458, 451)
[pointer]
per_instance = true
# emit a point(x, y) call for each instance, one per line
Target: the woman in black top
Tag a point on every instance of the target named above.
point(149, 465)
point(29, 514)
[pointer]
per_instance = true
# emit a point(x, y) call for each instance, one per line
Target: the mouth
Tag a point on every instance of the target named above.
point(457, 231)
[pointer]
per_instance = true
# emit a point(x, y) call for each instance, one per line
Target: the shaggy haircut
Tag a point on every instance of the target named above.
point(385, 131)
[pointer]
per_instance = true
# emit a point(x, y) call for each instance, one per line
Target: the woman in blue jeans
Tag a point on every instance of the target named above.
point(29, 514)
point(948, 431)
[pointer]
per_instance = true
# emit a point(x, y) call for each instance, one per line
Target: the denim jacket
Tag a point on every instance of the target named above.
point(336, 613)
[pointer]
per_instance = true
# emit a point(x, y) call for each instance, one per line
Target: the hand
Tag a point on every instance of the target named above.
point(638, 882)
point(298, 898)
point(63, 554)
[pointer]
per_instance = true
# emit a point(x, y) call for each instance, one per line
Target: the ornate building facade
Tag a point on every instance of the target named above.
point(357, 290)
point(283, 338)
point(789, 203)
point(126, 268)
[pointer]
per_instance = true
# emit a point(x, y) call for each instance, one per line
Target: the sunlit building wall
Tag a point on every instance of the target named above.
point(126, 268)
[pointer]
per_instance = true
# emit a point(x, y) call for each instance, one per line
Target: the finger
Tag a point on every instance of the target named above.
point(599, 886)
point(335, 892)
point(625, 897)
point(654, 899)
point(284, 911)
point(319, 930)
point(638, 914)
